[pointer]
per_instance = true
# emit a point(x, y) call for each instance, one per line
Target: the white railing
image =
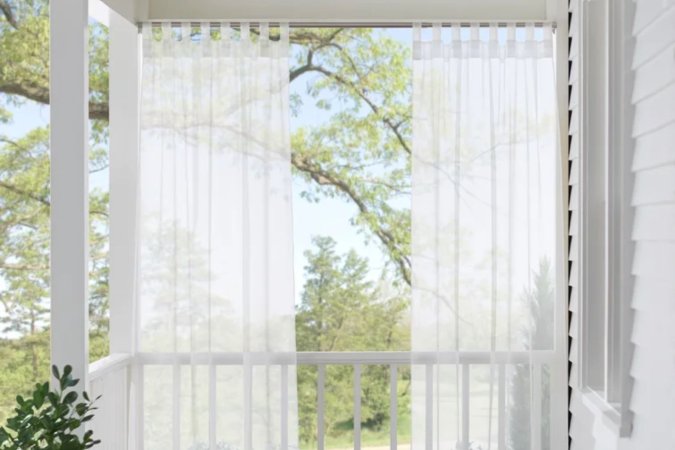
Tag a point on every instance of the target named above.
point(112, 377)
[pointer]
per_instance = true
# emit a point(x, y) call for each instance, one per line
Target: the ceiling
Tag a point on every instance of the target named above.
point(337, 10)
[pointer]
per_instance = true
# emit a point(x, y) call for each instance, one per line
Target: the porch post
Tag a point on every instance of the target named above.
point(124, 123)
point(69, 185)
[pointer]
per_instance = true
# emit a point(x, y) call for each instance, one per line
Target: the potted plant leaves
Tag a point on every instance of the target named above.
point(51, 419)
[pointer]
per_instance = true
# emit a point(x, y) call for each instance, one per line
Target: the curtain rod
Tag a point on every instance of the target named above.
point(291, 24)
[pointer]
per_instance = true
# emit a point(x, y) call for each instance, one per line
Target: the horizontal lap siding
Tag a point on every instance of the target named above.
point(653, 96)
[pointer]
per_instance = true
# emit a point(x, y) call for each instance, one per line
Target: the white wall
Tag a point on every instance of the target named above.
point(652, 369)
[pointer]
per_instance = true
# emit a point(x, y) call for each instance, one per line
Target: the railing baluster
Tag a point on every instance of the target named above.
point(123, 411)
point(393, 406)
point(99, 419)
point(127, 407)
point(212, 405)
point(248, 405)
point(284, 407)
point(176, 406)
point(125, 440)
point(139, 418)
point(429, 404)
point(466, 411)
point(501, 408)
point(357, 406)
point(114, 408)
point(535, 420)
point(321, 406)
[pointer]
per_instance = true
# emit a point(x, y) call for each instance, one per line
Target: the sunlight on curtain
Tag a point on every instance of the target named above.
point(484, 250)
point(216, 296)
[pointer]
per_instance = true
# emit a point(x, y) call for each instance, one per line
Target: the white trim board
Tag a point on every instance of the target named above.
point(344, 10)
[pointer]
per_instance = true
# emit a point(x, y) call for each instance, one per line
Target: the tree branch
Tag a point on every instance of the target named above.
point(40, 94)
point(394, 127)
point(325, 178)
point(19, 191)
point(22, 267)
point(9, 14)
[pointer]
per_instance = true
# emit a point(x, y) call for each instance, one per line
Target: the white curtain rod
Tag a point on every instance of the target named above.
point(299, 24)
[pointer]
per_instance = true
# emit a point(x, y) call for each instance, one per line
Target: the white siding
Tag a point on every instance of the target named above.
point(653, 97)
point(653, 301)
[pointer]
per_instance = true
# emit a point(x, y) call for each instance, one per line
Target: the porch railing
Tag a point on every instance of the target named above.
point(113, 377)
point(110, 378)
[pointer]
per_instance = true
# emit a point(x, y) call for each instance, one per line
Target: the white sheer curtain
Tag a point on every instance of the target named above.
point(485, 215)
point(215, 319)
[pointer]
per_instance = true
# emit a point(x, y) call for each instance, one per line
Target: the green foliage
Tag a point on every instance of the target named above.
point(25, 361)
point(342, 310)
point(50, 418)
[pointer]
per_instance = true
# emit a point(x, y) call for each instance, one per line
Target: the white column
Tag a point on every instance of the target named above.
point(69, 185)
point(124, 116)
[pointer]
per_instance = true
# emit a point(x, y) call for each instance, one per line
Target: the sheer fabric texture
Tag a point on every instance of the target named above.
point(485, 257)
point(215, 319)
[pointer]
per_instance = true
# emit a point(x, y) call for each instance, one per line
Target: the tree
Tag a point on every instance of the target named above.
point(342, 310)
point(538, 336)
point(362, 154)
point(25, 201)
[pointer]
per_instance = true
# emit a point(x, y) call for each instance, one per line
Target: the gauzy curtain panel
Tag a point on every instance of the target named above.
point(484, 249)
point(215, 318)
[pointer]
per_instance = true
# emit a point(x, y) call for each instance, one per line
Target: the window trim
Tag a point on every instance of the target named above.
point(613, 65)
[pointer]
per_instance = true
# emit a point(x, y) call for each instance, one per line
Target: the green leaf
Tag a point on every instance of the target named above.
point(70, 397)
point(53, 398)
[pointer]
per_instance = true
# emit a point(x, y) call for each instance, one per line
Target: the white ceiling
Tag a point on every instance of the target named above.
point(336, 10)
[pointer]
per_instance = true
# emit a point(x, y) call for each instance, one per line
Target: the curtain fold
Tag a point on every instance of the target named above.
point(485, 218)
point(216, 294)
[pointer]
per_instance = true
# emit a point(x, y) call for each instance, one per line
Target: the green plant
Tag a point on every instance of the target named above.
point(50, 419)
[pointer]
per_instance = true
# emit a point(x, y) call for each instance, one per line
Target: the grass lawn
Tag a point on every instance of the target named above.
point(373, 440)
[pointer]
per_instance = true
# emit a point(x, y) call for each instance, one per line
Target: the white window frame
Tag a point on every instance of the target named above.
point(606, 189)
